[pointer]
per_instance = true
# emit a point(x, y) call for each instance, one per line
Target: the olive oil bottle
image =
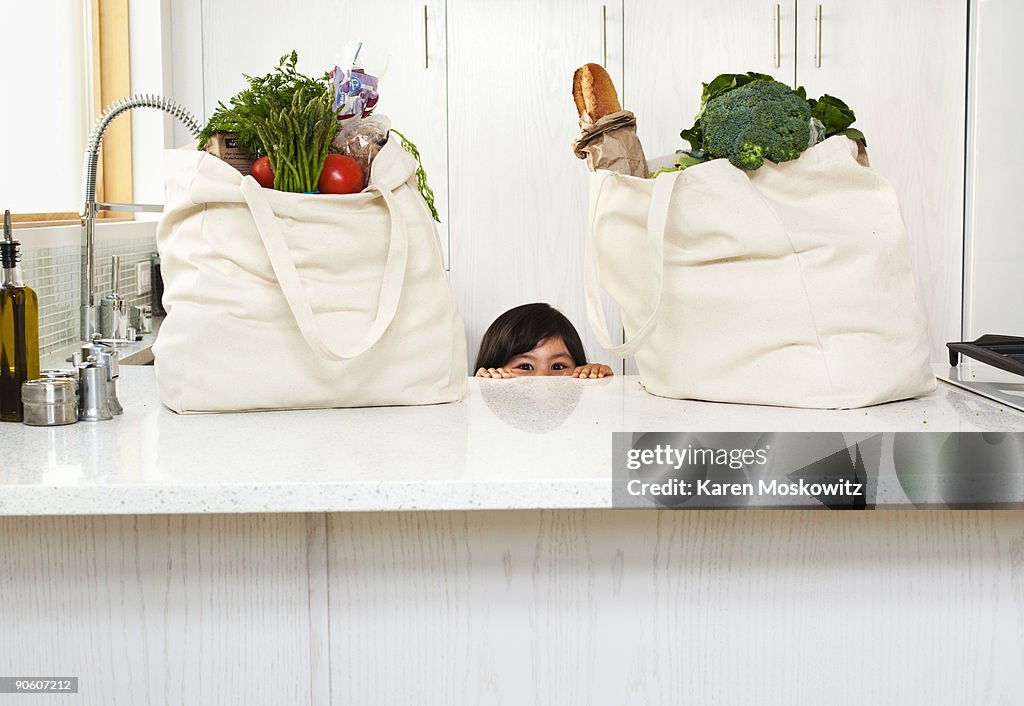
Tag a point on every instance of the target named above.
point(19, 329)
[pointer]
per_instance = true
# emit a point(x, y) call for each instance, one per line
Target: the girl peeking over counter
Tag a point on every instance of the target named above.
point(534, 339)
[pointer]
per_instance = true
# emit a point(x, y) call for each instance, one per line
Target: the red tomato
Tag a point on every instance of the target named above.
point(261, 172)
point(341, 175)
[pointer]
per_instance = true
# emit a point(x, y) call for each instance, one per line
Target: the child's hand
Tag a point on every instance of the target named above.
point(592, 370)
point(495, 373)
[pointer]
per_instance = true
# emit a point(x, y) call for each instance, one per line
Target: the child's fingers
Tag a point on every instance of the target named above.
point(592, 371)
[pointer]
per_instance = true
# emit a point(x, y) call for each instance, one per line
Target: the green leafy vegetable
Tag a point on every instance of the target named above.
point(750, 117)
point(684, 160)
point(836, 116)
point(297, 138)
point(224, 120)
point(421, 174)
point(285, 115)
point(762, 119)
point(720, 85)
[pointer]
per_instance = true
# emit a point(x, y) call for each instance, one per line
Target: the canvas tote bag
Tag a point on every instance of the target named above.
point(289, 301)
point(789, 285)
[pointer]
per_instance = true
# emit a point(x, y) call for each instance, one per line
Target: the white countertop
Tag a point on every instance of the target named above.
point(510, 444)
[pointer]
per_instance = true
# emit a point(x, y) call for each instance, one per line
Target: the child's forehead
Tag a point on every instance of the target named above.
point(552, 344)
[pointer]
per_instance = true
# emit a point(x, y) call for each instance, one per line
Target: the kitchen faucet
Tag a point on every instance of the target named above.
point(89, 323)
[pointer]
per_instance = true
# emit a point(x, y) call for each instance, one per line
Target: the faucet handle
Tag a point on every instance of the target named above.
point(115, 273)
point(130, 207)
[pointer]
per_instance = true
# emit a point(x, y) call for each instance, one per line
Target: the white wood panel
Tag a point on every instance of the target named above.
point(399, 597)
point(249, 36)
point(672, 46)
point(162, 609)
point(518, 194)
point(573, 607)
point(319, 610)
point(578, 607)
point(902, 67)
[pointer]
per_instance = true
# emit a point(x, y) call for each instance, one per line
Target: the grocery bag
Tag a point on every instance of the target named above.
point(790, 285)
point(293, 301)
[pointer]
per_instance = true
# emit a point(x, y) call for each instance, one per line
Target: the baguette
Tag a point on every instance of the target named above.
point(594, 92)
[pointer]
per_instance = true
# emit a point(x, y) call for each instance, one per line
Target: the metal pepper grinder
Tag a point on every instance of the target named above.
point(92, 392)
point(114, 307)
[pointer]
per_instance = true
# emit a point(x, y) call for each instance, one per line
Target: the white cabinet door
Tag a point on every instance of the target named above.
point(672, 46)
point(518, 194)
point(902, 67)
point(410, 42)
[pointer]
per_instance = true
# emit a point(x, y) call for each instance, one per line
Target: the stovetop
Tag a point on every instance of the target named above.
point(993, 383)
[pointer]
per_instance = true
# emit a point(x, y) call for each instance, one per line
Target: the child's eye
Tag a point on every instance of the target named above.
point(524, 366)
point(559, 366)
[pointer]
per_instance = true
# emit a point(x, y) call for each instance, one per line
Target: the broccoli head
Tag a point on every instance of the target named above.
point(763, 119)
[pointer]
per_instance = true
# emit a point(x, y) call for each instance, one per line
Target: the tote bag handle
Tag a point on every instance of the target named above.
point(295, 294)
point(657, 224)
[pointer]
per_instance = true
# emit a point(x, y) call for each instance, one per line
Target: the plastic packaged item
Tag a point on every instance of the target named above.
point(363, 141)
point(817, 132)
point(356, 90)
point(356, 86)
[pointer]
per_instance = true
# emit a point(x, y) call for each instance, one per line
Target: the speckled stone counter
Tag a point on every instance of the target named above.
point(519, 444)
point(268, 558)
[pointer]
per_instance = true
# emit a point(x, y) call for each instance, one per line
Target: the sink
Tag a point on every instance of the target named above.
point(143, 356)
point(138, 353)
point(141, 353)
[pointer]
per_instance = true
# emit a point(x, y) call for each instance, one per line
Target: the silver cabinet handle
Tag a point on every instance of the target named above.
point(818, 21)
point(604, 36)
point(426, 41)
point(778, 35)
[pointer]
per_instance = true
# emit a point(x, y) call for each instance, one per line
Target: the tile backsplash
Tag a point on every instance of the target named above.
point(55, 274)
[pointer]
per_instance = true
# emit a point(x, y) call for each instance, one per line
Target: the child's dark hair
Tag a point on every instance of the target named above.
point(522, 329)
